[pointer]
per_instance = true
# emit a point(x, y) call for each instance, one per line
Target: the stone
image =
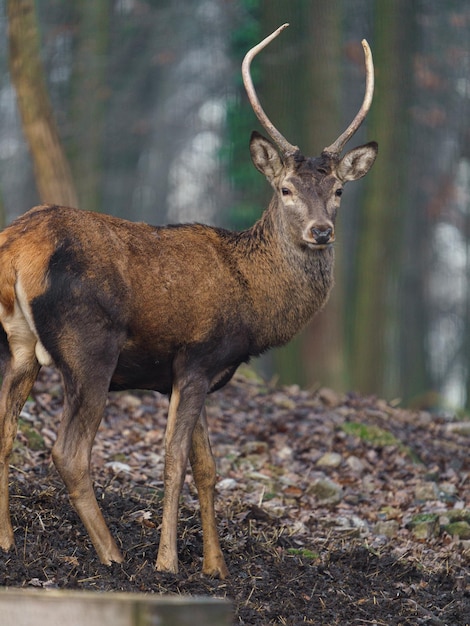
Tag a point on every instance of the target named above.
point(425, 525)
point(460, 529)
point(355, 464)
point(330, 459)
point(326, 491)
point(227, 484)
point(461, 428)
point(426, 491)
point(329, 397)
point(117, 467)
point(388, 528)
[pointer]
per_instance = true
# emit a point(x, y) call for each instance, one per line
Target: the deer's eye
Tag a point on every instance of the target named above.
point(285, 191)
point(339, 193)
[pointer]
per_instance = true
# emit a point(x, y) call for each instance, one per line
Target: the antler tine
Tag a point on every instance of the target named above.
point(286, 147)
point(336, 147)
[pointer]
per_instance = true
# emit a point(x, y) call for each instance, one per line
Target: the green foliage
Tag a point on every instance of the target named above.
point(246, 181)
point(304, 553)
point(374, 435)
point(34, 439)
point(378, 437)
point(269, 496)
point(425, 517)
point(459, 529)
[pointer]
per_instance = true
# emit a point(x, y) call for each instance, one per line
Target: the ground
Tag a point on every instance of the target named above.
point(331, 509)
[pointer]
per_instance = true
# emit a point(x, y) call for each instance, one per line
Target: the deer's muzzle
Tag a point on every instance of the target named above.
point(321, 235)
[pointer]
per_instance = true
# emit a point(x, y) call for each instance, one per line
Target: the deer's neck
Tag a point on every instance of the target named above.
point(288, 283)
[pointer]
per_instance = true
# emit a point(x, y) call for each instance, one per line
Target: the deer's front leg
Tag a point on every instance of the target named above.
point(205, 476)
point(185, 407)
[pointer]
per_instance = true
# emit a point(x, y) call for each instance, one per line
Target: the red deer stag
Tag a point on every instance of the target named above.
point(118, 305)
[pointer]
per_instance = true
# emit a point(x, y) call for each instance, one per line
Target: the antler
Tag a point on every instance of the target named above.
point(336, 147)
point(286, 147)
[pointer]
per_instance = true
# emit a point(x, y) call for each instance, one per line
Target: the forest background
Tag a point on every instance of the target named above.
point(136, 108)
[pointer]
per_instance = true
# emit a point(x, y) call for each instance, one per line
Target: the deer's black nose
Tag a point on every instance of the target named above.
point(321, 235)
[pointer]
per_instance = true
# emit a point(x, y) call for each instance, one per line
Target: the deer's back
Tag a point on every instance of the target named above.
point(151, 291)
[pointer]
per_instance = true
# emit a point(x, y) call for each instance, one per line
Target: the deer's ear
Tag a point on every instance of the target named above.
point(265, 156)
point(357, 162)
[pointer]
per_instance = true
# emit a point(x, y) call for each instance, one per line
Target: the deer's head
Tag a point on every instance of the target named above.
point(309, 189)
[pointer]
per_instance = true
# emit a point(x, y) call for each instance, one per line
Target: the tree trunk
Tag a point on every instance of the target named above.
point(52, 173)
point(323, 340)
point(305, 107)
point(379, 246)
point(87, 112)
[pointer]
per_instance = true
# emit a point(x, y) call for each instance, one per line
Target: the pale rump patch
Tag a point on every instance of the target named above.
point(22, 336)
point(21, 340)
point(42, 354)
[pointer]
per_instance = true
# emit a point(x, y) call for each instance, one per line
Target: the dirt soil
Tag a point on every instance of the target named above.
point(331, 509)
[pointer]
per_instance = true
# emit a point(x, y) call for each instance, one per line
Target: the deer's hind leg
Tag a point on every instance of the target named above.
point(86, 373)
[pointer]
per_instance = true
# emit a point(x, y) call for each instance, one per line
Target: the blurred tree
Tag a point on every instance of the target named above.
point(52, 173)
point(305, 107)
point(284, 102)
point(375, 305)
point(323, 347)
point(89, 96)
point(248, 189)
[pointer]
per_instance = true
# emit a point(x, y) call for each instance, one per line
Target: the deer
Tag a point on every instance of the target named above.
point(115, 305)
